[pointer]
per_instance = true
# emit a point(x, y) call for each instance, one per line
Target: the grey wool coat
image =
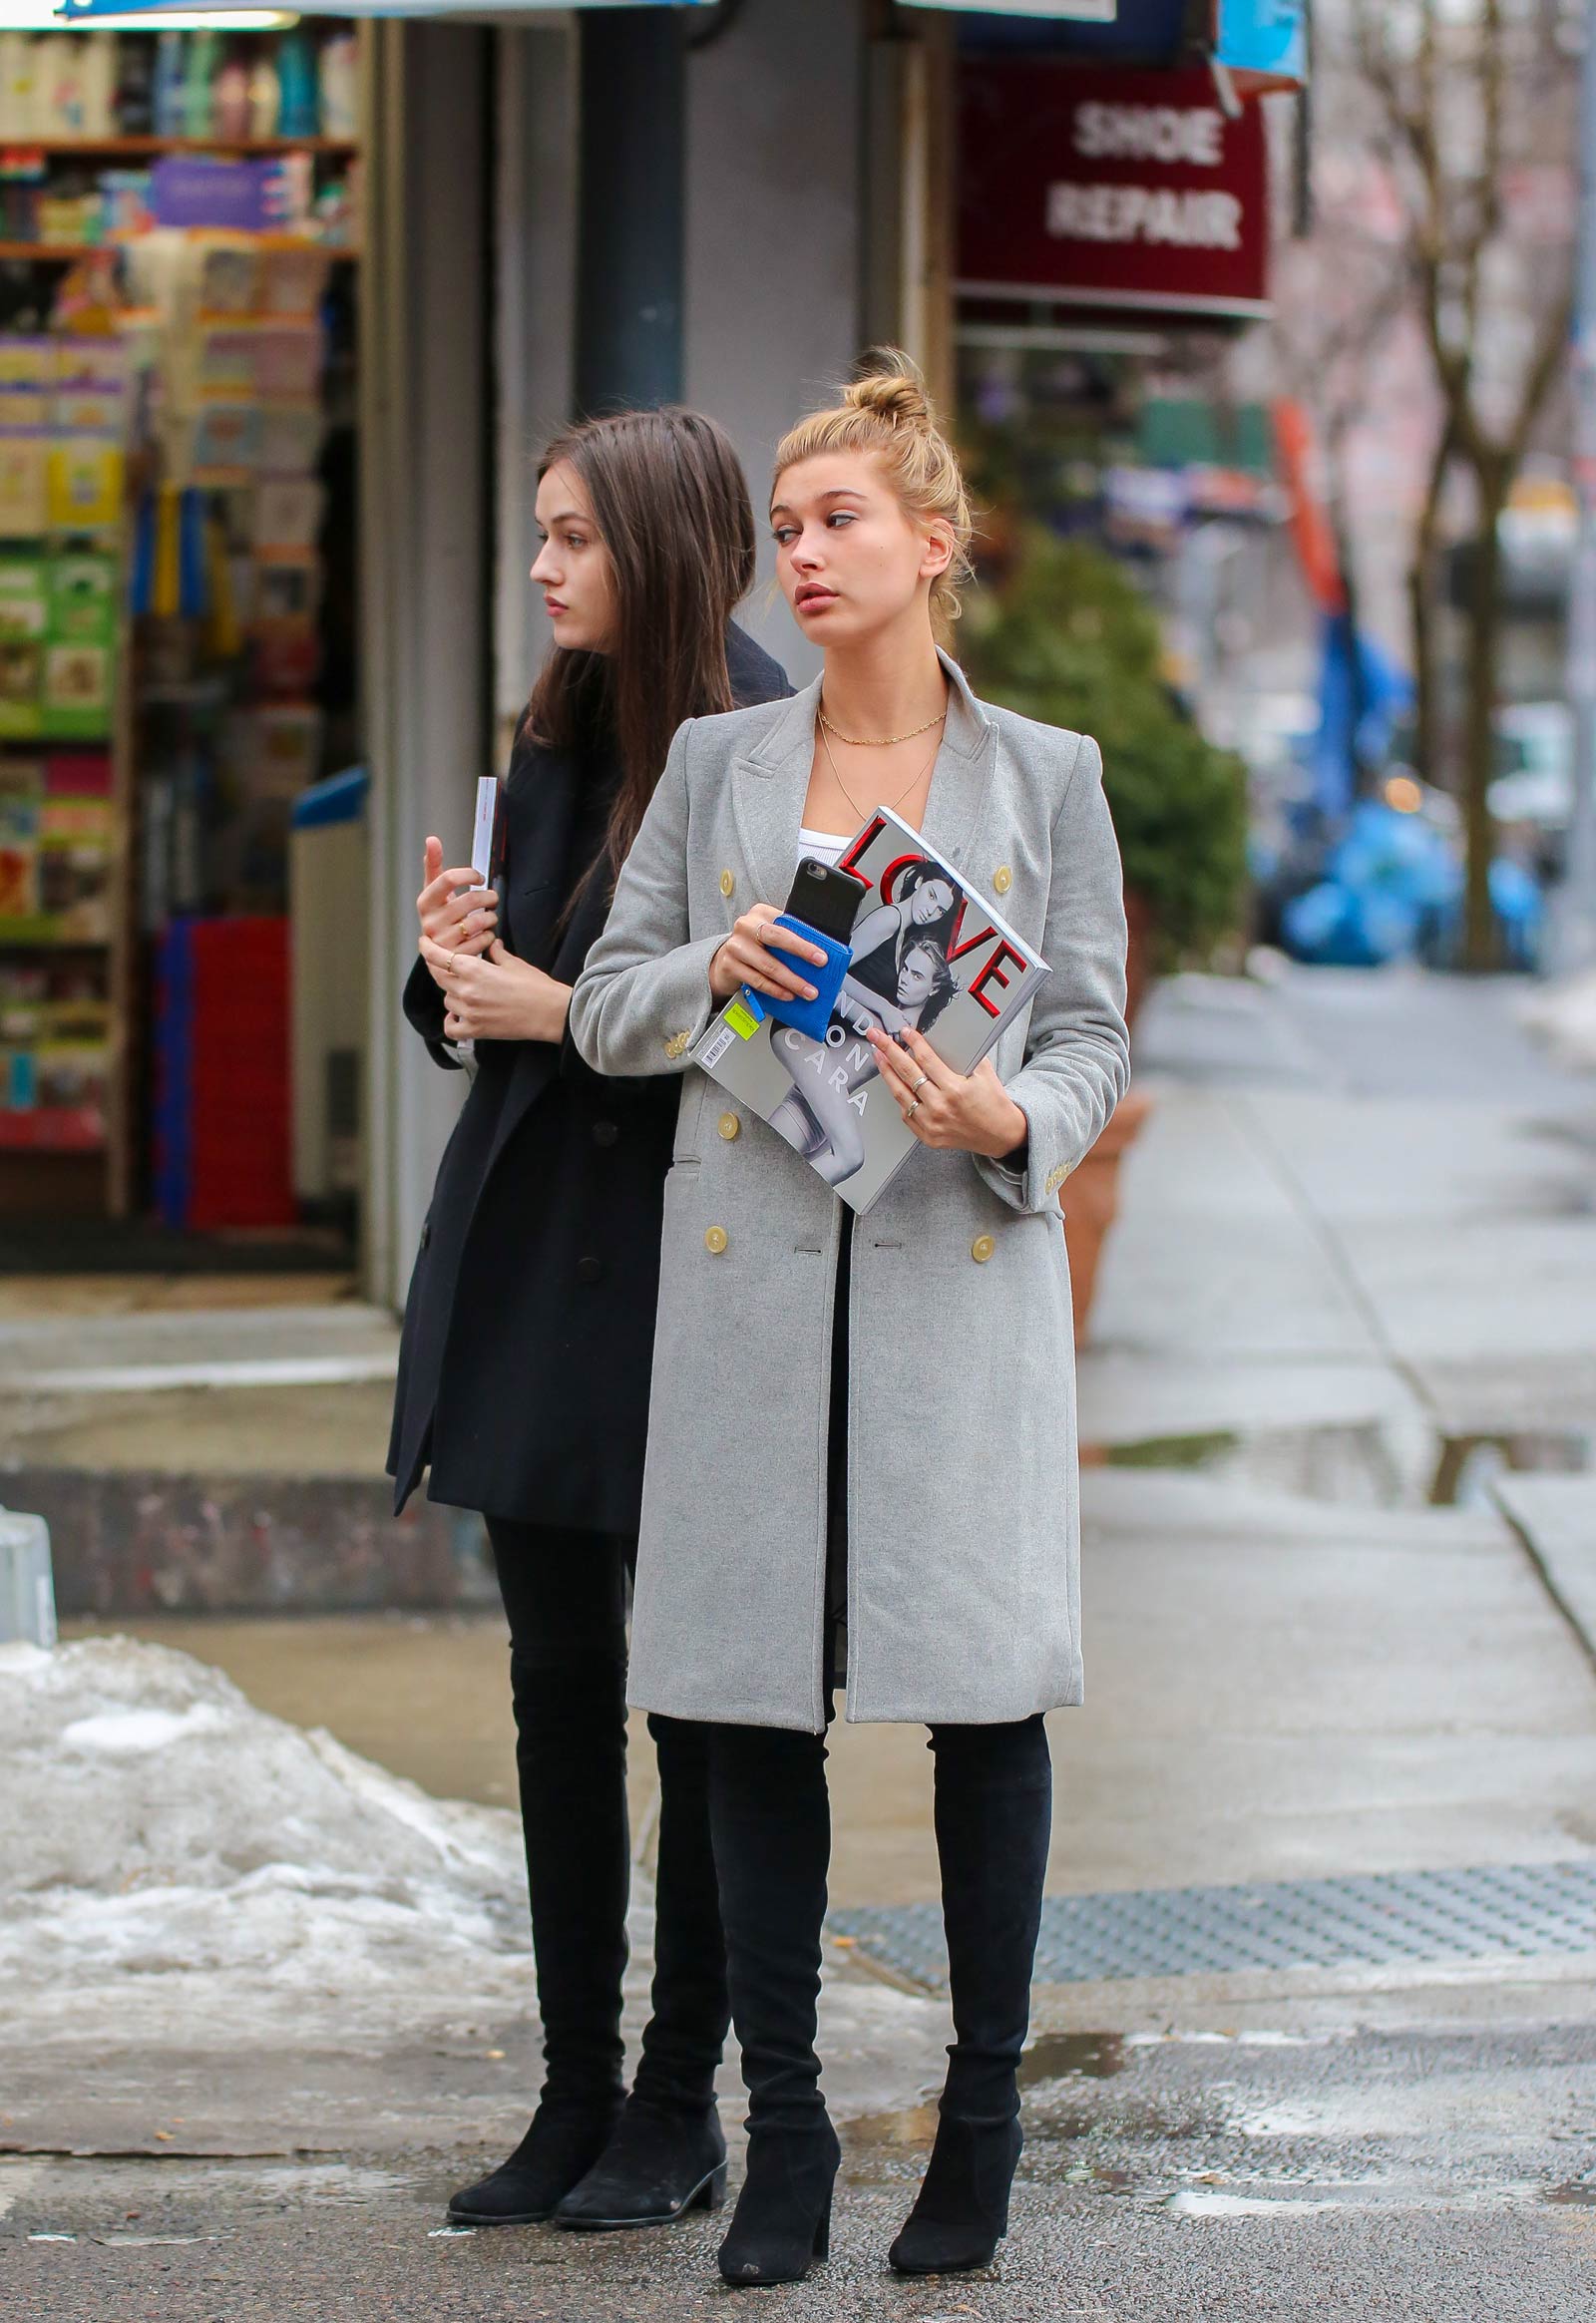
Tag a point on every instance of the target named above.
point(964, 1601)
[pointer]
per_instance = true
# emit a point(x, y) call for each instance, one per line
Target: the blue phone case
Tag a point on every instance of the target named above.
point(810, 1016)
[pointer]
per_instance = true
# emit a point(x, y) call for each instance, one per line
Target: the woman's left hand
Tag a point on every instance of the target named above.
point(964, 1112)
point(500, 997)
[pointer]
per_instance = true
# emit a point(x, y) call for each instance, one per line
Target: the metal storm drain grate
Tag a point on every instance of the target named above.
point(1518, 1910)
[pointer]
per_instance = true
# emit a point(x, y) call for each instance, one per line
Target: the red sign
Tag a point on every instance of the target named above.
point(1119, 188)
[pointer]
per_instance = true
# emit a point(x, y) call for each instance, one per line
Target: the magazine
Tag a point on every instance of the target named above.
point(927, 952)
point(487, 861)
point(488, 831)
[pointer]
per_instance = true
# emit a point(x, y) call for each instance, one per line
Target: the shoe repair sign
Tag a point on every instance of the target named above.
point(1110, 188)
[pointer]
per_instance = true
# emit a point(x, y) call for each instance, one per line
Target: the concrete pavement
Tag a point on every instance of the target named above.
point(1346, 1329)
point(1433, 2177)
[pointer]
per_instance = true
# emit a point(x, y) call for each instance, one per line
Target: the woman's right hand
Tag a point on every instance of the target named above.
point(455, 921)
point(750, 957)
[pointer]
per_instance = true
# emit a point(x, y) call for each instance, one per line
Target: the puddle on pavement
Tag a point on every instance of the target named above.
point(1365, 1464)
point(1201, 2203)
point(338, 2184)
point(1469, 1465)
point(1053, 2058)
point(1164, 1452)
point(913, 2126)
point(1056, 2056)
point(1577, 2193)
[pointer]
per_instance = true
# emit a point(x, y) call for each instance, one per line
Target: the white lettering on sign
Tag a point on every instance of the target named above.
point(1144, 213)
point(1150, 133)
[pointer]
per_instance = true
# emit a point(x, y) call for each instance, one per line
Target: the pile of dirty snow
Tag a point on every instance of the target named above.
point(176, 1863)
point(1564, 1016)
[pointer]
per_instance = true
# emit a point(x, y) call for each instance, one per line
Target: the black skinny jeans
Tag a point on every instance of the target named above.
point(564, 1595)
point(771, 1819)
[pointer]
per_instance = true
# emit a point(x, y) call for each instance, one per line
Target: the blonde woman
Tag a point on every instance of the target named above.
point(935, 1554)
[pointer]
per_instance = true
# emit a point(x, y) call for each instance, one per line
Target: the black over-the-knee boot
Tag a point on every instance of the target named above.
point(669, 2153)
point(771, 1823)
point(994, 1822)
point(566, 1599)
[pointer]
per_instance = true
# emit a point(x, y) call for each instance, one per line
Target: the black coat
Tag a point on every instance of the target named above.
point(528, 1328)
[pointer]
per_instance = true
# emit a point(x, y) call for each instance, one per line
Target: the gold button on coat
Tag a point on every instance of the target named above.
point(678, 1045)
point(729, 1126)
point(715, 1240)
point(982, 1247)
point(1002, 879)
point(727, 882)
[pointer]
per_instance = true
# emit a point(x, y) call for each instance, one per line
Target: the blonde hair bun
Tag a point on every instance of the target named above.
point(893, 387)
point(887, 411)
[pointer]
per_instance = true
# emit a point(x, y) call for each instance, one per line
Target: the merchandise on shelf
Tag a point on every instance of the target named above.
point(56, 847)
point(193, 85)
point(172, 344)
point(58, 634)
point(56, 1050)
point(55, 85)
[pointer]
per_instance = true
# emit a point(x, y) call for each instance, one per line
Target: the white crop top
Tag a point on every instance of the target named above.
point(825, 845)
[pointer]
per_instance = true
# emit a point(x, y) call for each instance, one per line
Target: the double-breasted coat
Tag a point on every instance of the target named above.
point(528, 1328)
point(962, 1533)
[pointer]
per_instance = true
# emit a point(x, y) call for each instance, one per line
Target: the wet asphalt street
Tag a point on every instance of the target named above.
point(1442, 2177)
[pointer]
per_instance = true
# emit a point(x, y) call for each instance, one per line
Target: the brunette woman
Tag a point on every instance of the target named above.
point(945, 1544)
point(523, 1373)
point(923, 905)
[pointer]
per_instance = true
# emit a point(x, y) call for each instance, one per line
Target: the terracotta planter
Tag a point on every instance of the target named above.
point(1090, 1198)
point(1091, 1201)
point(1139, 952)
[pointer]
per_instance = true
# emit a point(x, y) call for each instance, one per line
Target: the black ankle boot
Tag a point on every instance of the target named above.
point(657, 2165)
point(994, 1816)
point(771, 1824)
point(961, 2213)
point(556, 2153)
point(783, 2214)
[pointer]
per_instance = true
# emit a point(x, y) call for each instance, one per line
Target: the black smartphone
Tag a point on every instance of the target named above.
point(828, 898)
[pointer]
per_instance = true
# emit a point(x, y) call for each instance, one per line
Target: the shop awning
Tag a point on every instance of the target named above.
point(70, 11)
point(1071, 11)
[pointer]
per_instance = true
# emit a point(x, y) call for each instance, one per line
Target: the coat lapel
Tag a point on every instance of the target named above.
point(963, 771)
point(767, 796)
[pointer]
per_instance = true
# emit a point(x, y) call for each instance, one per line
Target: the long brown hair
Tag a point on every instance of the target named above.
point(670, 504)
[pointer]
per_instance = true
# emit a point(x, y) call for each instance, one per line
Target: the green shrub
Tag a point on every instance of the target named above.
point(1063, 634)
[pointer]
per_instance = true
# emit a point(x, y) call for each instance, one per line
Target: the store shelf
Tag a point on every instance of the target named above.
point(138, 147)
point(44, 745)
point(68, 253)
point(55, 943)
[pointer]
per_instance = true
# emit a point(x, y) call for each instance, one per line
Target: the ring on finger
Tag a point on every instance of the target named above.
point(915, 1087)
point(912, 1110)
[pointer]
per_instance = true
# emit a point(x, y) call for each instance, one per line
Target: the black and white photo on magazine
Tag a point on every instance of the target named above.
point(927, 952)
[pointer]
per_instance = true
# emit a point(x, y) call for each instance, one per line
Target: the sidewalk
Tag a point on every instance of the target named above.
point(1355, 1272)
point(1354, 1275)
point(1347, 1322)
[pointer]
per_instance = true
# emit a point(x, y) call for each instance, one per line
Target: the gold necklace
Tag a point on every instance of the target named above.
point(860, 811)
point(883, 741)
